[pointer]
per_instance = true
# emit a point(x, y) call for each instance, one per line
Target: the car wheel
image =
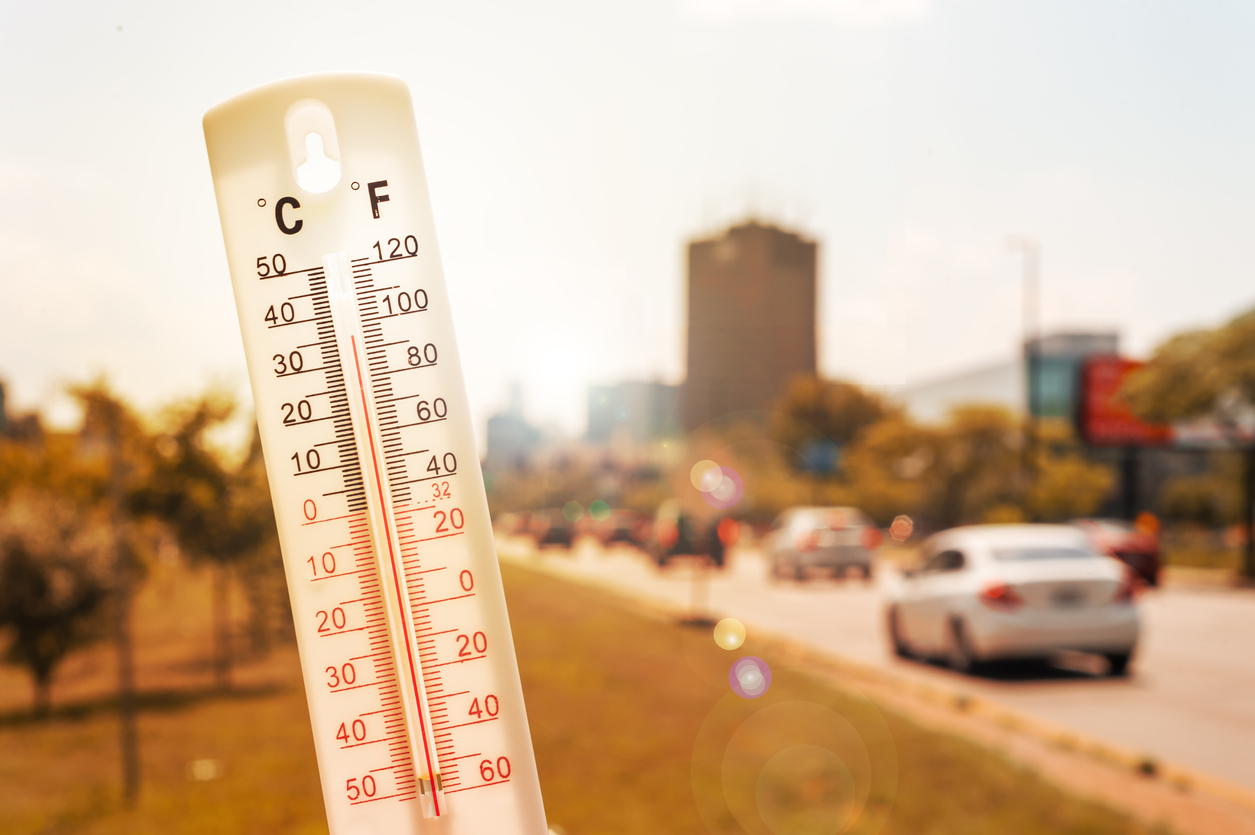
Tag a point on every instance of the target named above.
point(867, 572)
point(1118, 663)
point(899, 644)
point(959, 655)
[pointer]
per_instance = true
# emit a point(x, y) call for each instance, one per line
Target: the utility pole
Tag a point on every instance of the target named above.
point(1031, 258)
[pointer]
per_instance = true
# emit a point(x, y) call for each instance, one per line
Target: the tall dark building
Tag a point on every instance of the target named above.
point(751, 319)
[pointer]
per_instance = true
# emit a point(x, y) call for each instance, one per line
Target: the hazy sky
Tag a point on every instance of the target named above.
point(572, 149)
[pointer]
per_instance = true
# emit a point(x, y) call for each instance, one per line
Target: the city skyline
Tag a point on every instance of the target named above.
point(571, 152)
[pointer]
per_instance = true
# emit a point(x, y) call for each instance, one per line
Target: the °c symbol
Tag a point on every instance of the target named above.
point(261, 201)
point(279, 219)
point(356, 186)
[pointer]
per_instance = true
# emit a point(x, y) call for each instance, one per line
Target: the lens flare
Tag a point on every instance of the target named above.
point(806, 788)
point(705, 476)
point(727, 492)
point(750, 677)
point(902, 528)
point(801, 760)
point(729, 633)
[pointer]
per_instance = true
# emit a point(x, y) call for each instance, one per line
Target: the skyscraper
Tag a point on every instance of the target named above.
point(751, 319)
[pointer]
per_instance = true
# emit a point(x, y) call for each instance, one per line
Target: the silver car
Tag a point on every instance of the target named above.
point(990, 592)
point(834, 539)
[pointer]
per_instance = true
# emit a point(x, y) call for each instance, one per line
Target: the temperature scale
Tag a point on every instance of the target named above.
point(401, 622)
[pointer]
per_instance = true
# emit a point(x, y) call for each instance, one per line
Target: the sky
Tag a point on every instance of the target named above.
point(572, 149)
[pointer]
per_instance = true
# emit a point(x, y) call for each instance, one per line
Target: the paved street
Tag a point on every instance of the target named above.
point(1190, 699)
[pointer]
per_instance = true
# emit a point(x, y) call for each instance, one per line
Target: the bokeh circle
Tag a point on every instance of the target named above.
point(750, 677)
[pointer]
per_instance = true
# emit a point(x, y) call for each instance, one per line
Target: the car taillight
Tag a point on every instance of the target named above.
point(729, 532)
point(1130, 587)
point(668, 533)
point(871, 538)
point(1000, 596)
point(806, 542)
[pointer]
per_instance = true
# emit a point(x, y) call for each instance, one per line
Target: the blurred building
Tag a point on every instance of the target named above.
point(1053, 365)
point(995, 384)
point(751, 319)
point(1055, 359)
point(511, 439)
point(634, 411)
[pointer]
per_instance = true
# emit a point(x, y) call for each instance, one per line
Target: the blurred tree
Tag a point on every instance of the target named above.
point(261, 564)
point(886, 468)
point(1065, 484)
point(1207, 374)
point(1208, 499)
point(958, 472)
point(815, 412)
point(975, 465)
point(117, 454)
point(214, 514)
point(54, 580)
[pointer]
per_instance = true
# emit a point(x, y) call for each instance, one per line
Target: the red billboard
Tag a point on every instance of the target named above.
point(1104, 420)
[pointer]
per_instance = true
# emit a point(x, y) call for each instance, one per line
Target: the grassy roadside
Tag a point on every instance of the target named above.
point(635, 728)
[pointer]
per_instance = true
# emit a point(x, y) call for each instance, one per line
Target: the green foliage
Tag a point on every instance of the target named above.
point(814, 409)
point(67, 499)
point(1211, 498)
point(1065, 485)
point(1203, 373)
point(54, 581)
point(190, 489)
point(975, 465)
point(949, 474)
point(219, 514)
point(887, 467)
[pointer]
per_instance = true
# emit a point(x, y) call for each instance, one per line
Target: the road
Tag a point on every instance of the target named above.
point(1190, 698)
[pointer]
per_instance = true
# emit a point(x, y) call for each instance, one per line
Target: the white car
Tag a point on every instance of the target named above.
point(991, 592)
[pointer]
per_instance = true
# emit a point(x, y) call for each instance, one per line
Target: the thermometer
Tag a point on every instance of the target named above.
point(401, 623)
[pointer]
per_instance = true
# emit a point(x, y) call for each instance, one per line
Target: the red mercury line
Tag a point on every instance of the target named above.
point(396, 583)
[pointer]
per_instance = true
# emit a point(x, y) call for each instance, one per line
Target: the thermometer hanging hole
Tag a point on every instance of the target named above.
point(319, 173)
point(312, 145)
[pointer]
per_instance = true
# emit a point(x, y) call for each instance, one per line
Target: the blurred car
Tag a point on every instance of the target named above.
point(1136, 545)
point(623, 526)
point(550, 527)
point(675, 533)
point(514, 524)
point(836, 539)
point(1014, 591)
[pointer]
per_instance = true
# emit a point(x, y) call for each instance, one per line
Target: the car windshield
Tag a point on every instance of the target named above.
point(1041, 552)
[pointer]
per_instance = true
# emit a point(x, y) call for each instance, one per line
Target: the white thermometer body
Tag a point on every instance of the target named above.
point(401, 621)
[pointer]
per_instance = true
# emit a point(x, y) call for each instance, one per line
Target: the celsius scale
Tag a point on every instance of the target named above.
point(401, 623)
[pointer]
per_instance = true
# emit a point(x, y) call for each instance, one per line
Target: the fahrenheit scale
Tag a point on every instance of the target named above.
point(401, 622)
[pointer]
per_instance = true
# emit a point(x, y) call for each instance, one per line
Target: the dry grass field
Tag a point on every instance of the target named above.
point(635, 728)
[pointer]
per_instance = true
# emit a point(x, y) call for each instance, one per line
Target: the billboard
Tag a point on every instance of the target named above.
point(1102, 418)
